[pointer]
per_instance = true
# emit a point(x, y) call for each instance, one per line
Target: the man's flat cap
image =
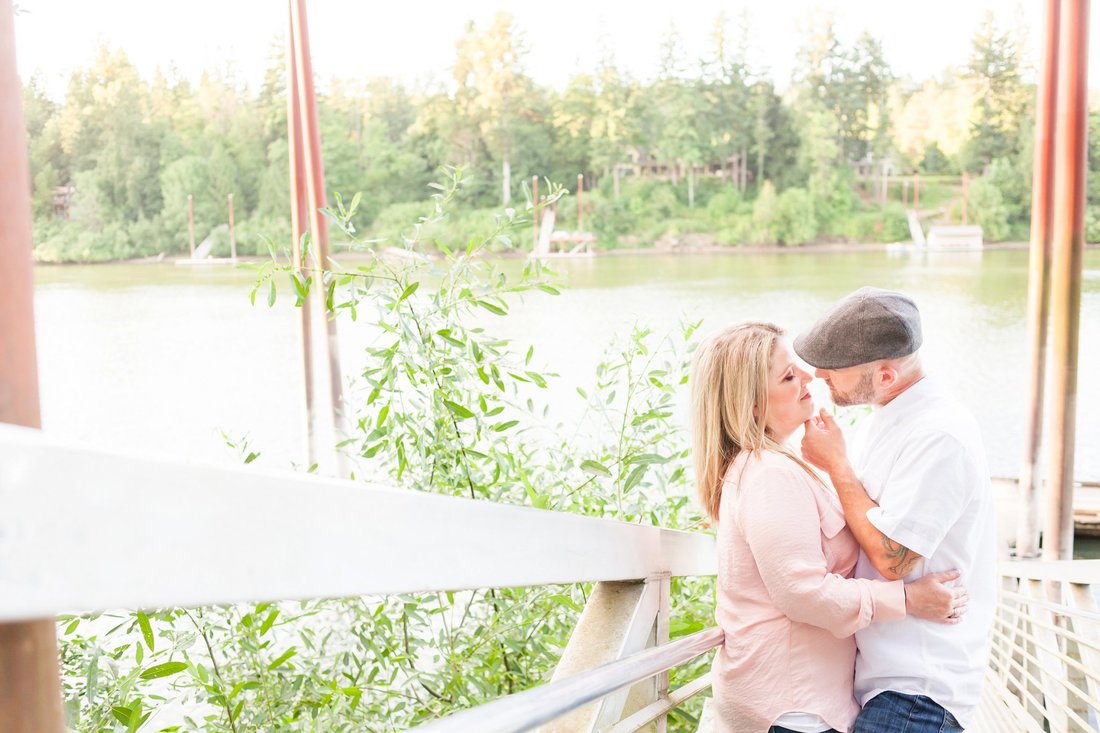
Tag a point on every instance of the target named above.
point(867, 325)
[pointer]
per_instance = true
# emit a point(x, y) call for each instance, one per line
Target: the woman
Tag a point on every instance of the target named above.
point(785, 598)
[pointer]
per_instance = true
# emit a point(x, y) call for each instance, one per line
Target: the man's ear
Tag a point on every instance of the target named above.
point(886, 376)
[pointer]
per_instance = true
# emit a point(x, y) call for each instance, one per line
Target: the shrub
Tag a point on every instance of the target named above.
point(794, 217)
point(987, 209)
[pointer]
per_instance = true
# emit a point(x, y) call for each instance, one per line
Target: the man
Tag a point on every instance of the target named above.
point(917, 497)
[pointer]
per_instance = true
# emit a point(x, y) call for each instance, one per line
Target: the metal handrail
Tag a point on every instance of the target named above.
point(526, 710)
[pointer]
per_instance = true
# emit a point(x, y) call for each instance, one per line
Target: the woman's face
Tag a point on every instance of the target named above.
point(789, 402)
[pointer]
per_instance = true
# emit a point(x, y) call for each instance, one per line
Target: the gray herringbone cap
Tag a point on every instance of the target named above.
point(867, 325)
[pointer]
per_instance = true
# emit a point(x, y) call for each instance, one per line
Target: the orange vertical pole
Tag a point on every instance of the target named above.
point(580, 202)
point(232, 232)
point(30, 688)
point(315, 195)
point(1067, 249)
point(1038, 288)
point(191, 223)
point(298, 226)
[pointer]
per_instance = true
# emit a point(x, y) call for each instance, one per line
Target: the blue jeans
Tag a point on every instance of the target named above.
point(893, 712)
point(781, 729)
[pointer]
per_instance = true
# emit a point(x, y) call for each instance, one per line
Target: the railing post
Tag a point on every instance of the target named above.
point(30, 689)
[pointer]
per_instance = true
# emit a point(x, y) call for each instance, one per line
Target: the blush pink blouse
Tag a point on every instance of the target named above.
point(786, 599)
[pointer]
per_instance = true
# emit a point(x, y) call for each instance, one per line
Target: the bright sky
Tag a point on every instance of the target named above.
point(416, 40)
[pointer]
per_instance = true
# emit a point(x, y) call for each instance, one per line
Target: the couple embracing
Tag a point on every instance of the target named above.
point(856, 588)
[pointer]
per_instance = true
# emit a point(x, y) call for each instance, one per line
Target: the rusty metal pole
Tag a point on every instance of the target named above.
point(966, 197)
point(232, 233)
point(535, 209)
point(30, 688)
point(1067, 246)
point(1038, 286)
point(315, 197)
point(298, 227)
point(191, 223)
point(580, 202)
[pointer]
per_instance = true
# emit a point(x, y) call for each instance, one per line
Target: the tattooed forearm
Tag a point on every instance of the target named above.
point(901, 557)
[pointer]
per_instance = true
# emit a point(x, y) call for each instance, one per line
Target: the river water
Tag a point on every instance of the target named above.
point(161, 359)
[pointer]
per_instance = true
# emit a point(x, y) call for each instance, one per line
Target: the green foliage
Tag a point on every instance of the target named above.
point(987, 209)
point(131, 151)
point(794, 217)
point(444, 405)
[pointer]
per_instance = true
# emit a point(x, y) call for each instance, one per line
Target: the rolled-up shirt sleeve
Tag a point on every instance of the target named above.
point(779, 517)
point(929, 487)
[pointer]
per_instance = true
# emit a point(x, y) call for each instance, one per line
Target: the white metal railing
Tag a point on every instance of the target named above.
point(272, 536)
point(1044, 671)
point(527, 710)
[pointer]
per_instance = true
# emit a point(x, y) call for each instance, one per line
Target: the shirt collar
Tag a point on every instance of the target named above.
point(907, 402)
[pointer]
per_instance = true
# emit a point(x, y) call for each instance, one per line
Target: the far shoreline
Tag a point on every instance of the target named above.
point(685, 251)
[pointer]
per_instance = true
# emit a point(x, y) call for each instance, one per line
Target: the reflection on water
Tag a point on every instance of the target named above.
point(160, 358)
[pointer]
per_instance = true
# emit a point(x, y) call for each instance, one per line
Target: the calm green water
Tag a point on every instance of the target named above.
point(161, 358)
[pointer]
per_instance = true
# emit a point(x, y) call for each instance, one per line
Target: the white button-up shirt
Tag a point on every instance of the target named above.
point(921, 459)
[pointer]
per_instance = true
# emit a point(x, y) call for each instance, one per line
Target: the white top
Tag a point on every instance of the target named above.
point(802, 722)
point(922, 460)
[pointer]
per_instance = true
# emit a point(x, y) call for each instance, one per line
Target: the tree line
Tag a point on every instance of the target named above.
point(709, 147)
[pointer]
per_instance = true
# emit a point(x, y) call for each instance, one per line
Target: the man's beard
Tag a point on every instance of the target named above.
point(862, 394)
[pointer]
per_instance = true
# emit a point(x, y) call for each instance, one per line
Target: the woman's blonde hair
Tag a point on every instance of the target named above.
point(729, 404)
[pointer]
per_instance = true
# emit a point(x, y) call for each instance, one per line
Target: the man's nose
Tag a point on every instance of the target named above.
point(821, 373)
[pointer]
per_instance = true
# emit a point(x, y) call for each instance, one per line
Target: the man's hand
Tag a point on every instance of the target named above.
point(929, 599)
point(823, 444)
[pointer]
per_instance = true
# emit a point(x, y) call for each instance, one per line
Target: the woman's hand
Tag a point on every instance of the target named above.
point(929, 598)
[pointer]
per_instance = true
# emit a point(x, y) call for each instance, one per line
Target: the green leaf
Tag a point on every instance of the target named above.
point(331, 296)
point(647, 459)
point(146, 629)
point(563, 600)
point(251, 457)
point(501, 427)
point(408, 291)
point(595, 467)
point(283, 658)
point(548, 289)
point(268, 622)
point(492, 308)
point(445, 334)
point(459, 411)
point(271, 294)
point(163, 670)
point(72, 626)
point(680, 627)
point(530, 353)
point(635, 477)
point(121, 713)
point(536, 499)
